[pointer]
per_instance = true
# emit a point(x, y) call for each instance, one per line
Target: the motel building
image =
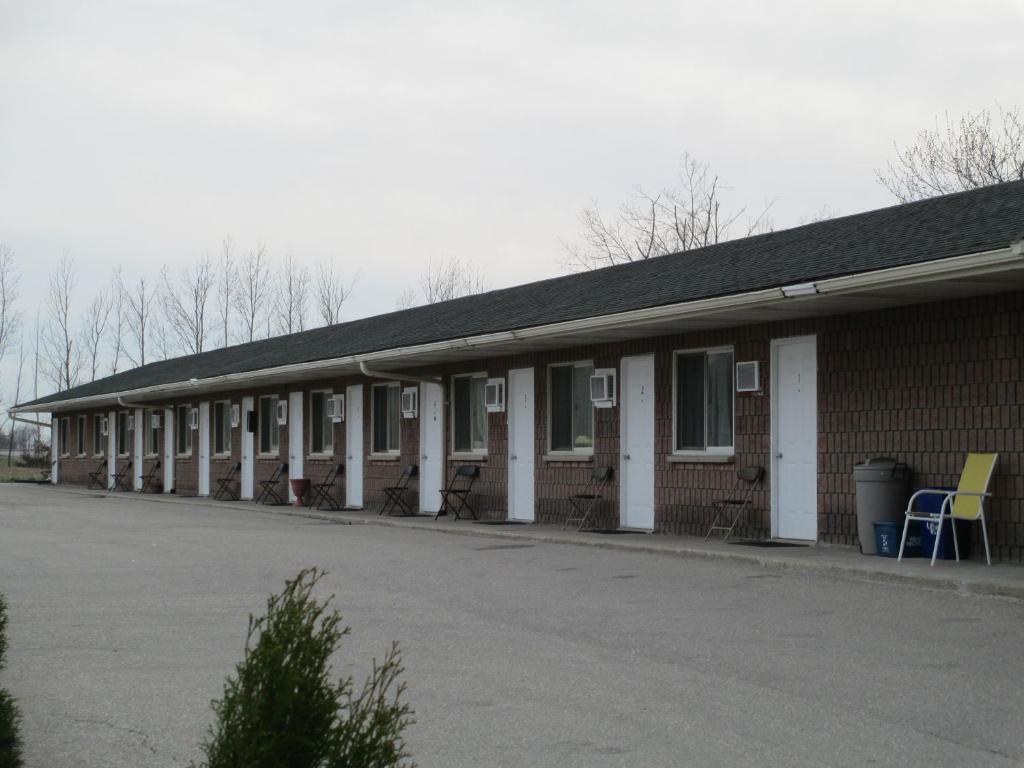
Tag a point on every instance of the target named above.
point(897, 332)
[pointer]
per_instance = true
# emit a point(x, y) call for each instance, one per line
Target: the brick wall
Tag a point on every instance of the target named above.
point(925, 384)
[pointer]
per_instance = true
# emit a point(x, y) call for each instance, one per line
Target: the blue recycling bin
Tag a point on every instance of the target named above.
point(932, 503)
point(888, 534)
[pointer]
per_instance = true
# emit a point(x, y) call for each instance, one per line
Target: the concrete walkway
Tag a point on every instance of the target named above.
point(965, 577)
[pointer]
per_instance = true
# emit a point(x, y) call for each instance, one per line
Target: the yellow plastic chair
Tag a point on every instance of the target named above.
point(967, 502)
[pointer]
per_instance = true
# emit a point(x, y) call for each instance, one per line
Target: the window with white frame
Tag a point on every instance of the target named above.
point(152, 433)
point(704, 401)
point(386, 416)
point(122, 433)
point(65, 437)
point(183, 428)
point(469, 413)
point(269, 429)
point(97, 435)
point(321, 427)
point(570, 411)
point(80, 436)
point(222, 427)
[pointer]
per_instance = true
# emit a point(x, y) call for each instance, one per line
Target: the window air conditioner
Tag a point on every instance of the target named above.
point(602, 388)
point(410, 402)
point(282, 412)
point(130, 422)
point(494, 395)
point(193, 418)
point(155, 421)
point(336, 408)
point(236, 415)
point(748, 377)
point(103, 426)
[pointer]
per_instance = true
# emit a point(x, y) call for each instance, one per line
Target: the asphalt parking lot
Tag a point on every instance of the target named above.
point(126, 615)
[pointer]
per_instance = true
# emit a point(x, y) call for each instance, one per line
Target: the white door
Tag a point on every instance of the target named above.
point(137, 435)
point(296, 448)
point(431, 446)
point(246, 491)
point(111, 447)
point(55, 450)
point(795, 438)
point(520, 444)
point(204, 449)
point(354, 446)
point(168, 450)
point(636, 429)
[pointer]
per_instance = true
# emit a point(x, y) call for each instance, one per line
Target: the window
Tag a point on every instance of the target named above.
point(704, 401)
point(268, 425)
point(321, 432)
point(386, 417)
point(65, 436)
point(469, 414)
point(184, 429)
point(222, 427)
point(97, 435)
point(569, 407)
point(122, 433)
point(80, 437)
point(152, 433)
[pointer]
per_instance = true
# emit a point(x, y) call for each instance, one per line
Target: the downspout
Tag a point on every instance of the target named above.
point(398, 376)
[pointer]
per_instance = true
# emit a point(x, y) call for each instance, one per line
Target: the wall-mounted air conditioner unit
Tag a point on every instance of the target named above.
point(336, 408)
point(104, 427)
point(193, 418)
point(602, 388)
point(494, 395)
point(282, 412)
point(410, 402)
point(130, 422)
point(156, 421)
point(236, 415)
point(748, 377)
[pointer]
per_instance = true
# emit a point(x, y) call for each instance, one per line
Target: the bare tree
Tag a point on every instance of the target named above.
point(10, 317)
point(137, 302)
point(225, 289)
point(681, 218)
point(184, 305)
point(974, 151)
point(119, 320)
point(448, 279)
point(94, 331)
point(62, 356)
point(250, 292)
point(331, 292)
point(291, 300)
point(17, 399)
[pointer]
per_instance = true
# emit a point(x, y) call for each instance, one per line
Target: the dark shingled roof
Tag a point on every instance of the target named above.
point(952, 225)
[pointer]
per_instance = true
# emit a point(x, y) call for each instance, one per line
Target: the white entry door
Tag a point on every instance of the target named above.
point(636, 430)
point(431, 446)
point(247, 483)
point(520, 445)
point(354, 446)
point(795, 438)
point(137, 435)
point(111, 447)
point(204, 449)
point(296, 448)
point(168, 459)
point(55, 450)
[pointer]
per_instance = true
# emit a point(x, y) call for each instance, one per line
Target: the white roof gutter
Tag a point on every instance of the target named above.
point(968, 265)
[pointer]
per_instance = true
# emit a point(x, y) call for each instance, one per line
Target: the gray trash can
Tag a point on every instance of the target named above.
point(883, 488)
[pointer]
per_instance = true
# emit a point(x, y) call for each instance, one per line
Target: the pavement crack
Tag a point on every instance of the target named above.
point(142, 736)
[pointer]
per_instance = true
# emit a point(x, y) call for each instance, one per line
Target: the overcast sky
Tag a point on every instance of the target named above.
point(380, 134)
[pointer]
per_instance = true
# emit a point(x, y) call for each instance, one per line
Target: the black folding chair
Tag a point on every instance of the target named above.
point(455, 498)
point(119, 482)
point(739, 501)
point(322, 490)
point(225, 485)
point(149, 478)
point(583, 503)
point(270, 486)
point(98, 477)
point(395, 494)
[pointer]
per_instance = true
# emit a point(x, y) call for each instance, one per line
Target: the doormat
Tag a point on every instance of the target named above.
point(615, 531)
point(500, 522)
point(766, 543)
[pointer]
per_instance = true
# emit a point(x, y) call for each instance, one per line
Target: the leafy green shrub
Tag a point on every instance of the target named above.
point(280, 708)
point(10, 737)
